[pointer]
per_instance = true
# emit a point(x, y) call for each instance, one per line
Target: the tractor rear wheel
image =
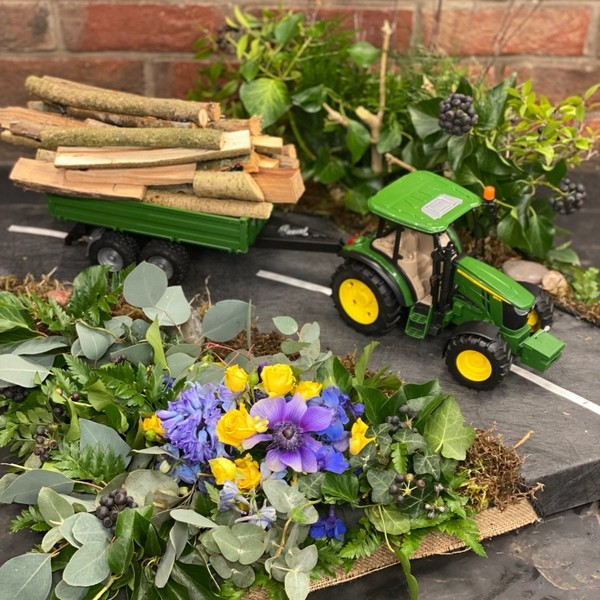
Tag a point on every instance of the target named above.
point(363, 299)
point(477, 362)
point(172, 258)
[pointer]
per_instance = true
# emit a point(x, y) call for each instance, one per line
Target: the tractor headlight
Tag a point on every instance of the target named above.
point(513, 317)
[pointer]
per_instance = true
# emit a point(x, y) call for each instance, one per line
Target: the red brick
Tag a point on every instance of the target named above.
point(146, 26)
point(556, 82)
point(26, 26)
point(368, 24)
point(551, 31)
point(119, 74)
point(175, 79)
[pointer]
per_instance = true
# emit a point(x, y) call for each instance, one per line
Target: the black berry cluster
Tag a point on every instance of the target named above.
point(403, 485)
point(404, 420)
point(111, 505)
point(15, 393)
point(572, 198)
point(457, 115)
point(221, 39)
point(44, 443)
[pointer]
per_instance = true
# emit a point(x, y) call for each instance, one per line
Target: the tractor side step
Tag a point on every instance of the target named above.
point(419, 320)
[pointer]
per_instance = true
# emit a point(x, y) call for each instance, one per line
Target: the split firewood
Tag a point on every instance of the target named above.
point(44, 177)
point(267, 162)
point(227, 207)
point(207, 139)
point(121, 120)
point(236, 185)
point(266, 143)
point(280, 185)
point(68, 93)
point(252, 125)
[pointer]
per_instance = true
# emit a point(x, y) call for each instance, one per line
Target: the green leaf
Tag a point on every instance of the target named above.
point(24, 372)
point(287, 28)
point(459, 148)
point(378, 406)
point(178, 537)
point(228, 543)
point(296, 585)
point(28, 576)
point(426, 462)
point(249, 69)
point(330, 170)
point(54, 508)
point(380, 480)
point(465, 530)
point(94, 342)
point(268, 98)
point(363, 362)
point(311, 99)
point(358, 139)
point(88, 566)
point(64, 591)
point(145, 285)
point(341, 487)
point(89, 529)
point(26, 487)
point(424, 117)
point(93, 434)
point(511, 232)
point(539, 235)
point(172, 308)
point(390, 137)
point(388, 519)
point(98, 396)
point(13, 317)
point(364, 54)
point(154, 339)
point(40, 345)
point(223, 321)
point(51, 538)
point(286, 325)
point(446, 432)
point(310, 485)
point(412, 440)
point(191, 517)
point(251, 540)
point(411, 581)
point(144, 482)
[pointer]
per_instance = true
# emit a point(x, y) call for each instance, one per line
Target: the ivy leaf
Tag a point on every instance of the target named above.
point(287, 28)
point(26, 576)
point(388, 519)
point(268, 98)
point(380, 481)
point(539, 235)
point(426, 462)
point(311, 99)
point(446, 432)
point(390, 137)
point(412, 440)
point(459, 148)
point(511, 232)
point(424, 116)
point(358, 139)
point(341, 487)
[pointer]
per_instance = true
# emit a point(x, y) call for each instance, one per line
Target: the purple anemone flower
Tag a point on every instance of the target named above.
point(290, 425)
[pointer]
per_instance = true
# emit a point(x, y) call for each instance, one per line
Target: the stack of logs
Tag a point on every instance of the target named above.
point(94, 142)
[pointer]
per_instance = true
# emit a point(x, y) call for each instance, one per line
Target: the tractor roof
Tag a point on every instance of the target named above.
point(423, 201)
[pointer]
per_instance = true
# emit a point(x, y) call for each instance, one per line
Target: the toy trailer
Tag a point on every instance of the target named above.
point(413, 270)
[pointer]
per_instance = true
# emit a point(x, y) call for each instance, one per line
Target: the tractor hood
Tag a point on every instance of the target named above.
point(495, 282)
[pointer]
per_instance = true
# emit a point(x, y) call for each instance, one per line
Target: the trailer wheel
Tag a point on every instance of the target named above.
point(363, 299)
point(477, 362)
point(172, 258)
point(115, 250)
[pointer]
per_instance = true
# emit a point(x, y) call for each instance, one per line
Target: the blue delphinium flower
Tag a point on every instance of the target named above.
point(191, 419)
point(329, 527)
point(177, 467)
point(329, 459)
point(337, 403)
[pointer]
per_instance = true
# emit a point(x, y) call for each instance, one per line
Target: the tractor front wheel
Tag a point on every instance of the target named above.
point(477, 362)
point(364, 300)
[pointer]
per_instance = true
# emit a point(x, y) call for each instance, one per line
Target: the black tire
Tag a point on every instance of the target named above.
point(377, 316)
point(485, 368)
point(544, 306)
point(172, 258)
point(115, 250)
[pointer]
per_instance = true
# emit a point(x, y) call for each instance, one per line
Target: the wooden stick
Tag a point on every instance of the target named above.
point(18, 140)
point(78, 95)
point(236, 185)
point(252, 125)
point(30, 123)
point(121, 120)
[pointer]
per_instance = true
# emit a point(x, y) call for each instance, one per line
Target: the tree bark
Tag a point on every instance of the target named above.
point(236, 185)
point(121, 120)
point(67, 93)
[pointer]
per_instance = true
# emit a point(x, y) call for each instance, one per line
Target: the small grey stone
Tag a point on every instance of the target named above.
point(524, 270)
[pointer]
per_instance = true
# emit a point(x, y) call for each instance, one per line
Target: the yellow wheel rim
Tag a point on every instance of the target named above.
point(358, 301)
point(534, 321)
point(474, 365)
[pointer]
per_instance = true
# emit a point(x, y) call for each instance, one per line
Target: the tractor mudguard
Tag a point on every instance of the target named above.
point(362, 258)
point(485, 330)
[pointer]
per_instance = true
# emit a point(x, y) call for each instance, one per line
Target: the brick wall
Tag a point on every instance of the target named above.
point(146, 46)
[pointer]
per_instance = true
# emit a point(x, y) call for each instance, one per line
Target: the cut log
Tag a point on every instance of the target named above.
point(67, 93)
point(267, 162)
point(266, 143)
point(30, 123)
point(236, 185)
point(207, 139)
point(166, 175)
point(44, 177)
point(18, 140)
point(231, 208)
point(252, 125)
point(280, 185)
point(121, 120)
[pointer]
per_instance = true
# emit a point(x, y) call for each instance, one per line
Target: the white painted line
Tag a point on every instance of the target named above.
point(38, 231)
point(313, 287)
point(556, 389)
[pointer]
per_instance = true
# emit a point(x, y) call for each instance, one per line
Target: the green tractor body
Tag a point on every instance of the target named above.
point(414, 266)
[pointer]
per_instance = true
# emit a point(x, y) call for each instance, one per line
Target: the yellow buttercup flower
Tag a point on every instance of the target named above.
point(308, 389)
point(223, 469)
point(237, 425)
point(152, 427)
point(358, 437)
point(278, 379)
point(236, 378)
point(248, 473)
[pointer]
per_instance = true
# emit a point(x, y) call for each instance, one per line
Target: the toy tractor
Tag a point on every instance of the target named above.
point(413, 270)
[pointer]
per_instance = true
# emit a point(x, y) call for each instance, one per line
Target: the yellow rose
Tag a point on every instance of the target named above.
point(308, 389)
point(223, 469)
point(152, 427)
point(236, 378)
point(278, 379)
point(248, 473)
point(358, 438)
point(237, 425)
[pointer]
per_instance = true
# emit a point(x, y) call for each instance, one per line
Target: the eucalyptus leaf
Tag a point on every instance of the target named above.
point(66, 529)
point(28, 576)
point(52, 537)
point(172, 308)
point(242, 576)
point(229, 545)
point(117, 325)
point(54, 508)
point(252, 541)
point(93, 434)
point(88, 528)
point(297, 585)
point(64, 591)
point(179, 363)
point(224, 320)
point(191, 517)
point(304, 560)
point(286, 325)
point(178, 537)
point(221, 566)
point(24, 372)
point(38, 345)
point(144, 482)
point(25, 488)
point(88, 566)
point(94, 342)
point(145, 285)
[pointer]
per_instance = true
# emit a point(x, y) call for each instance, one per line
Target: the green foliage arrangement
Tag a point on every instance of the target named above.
point(348, 105)
point(158, 471)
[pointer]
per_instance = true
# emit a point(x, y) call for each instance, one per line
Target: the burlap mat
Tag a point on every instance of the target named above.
point(491, 522)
